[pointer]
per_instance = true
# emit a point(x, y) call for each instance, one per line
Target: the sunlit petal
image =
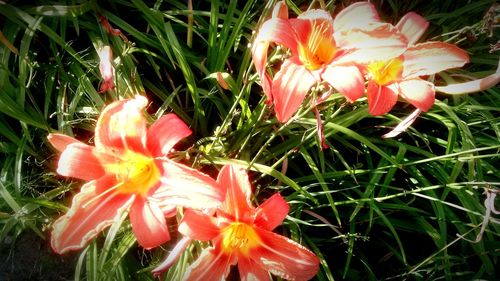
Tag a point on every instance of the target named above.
point(381, 99)
point(357, 15)
point(315, 14)
point(165, 133)
point(279, 31)
point(60, 141)
point(272, 212)
point(432, 57)
point(251, 271)
point(418, 92)
point(413, 26)
point(172, 257)
point(106, 68)
point(80, 161)
point(122, 125)
point(238, 191)
point(187, 187)
point(210, 265)
point(198, 226)
point(290, 86)
point(472, 86)
point(403, 125)
point(92, 210)
point(148, 223)
point(259, 58)
point(348, 80)
point(280, 10)
point(276, 30)
point(284, 257)
point(378, 43)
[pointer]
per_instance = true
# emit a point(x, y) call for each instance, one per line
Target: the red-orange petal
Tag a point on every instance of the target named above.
point(259, 57)
point(357, 15)
point(280, 10)
point(80, 161)
point(210, 265)
point(348, 80)
point(290, 86)
point(165, 133)
point(198, 226)
point(432, 57)
point(148, 223)
point(238, 191)
point(381, 99)
point(60, 141)
point(276, 30)
point(91, 211)
point(250, 270)
point(284, 257)
point(272, 212)
point(122, 125)
point(187, 187)
point(418, 92)
point(413, 26)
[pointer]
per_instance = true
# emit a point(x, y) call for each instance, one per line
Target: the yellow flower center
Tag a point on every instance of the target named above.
point(135, 173)
point(239, 237)
point(320, 47)
point(385, 72)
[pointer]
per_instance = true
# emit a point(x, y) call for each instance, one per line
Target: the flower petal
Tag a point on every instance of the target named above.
point(284, 257)
point(348, 80)
point(106, 68)
point(92, 210)
point(251, 271)
point(280, 10)
point(403, 125)
point(276, 30)
point(378, 42)
point(80, 161)
point(165, 133)
point(472, 86)
point(172, 257)
point(187, 187)
point(210, 265)
point(198, 226)
point(238, 192)
point(271, 213)
point(60, 141)
point(418, 92)
point(259, 58)
point(357, 15)
point(122, 125)
point(148, 223)
point(290, 86)
point(413, 26)
point(432, 57)
point(315, 14)
point(381, 99)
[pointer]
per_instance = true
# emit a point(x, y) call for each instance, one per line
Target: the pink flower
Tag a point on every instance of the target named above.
point(322, 49)
point(128, 170)
point(400, 76)
point(242, 234)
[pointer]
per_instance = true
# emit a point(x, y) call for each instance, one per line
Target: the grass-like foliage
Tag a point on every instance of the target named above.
point(420, 206)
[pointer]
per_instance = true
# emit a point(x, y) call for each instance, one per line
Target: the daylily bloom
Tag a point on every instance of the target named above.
point(128, 170)
point(400, 76)
point(322, 49)
point(242, 234)
point(106, 69)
